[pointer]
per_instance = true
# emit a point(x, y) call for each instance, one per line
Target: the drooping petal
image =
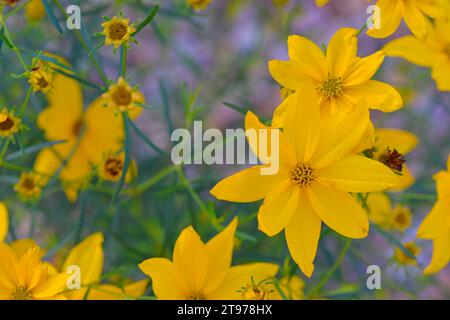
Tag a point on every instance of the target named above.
point(378, 95)
point(405, 180)
point(340, 211)
point(278, 208)
point(390, 15)
point(441, 73)
point(341, 51)
point(247, 185)
point(167, 283)
point(400, 140)
point(302, 122)
point(416, 20)
point(363, 69)
point(340, 134)
point(191, 260)
point(436, 222)
point(220, 252)
point(287, 73)
point(302, 235)
point(411, 49)
point(242, 277)
point(357, 174)
point(441, 254)
point(4, 221)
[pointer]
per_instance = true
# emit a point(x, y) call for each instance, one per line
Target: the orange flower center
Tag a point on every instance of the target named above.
point(393, 159)
point(76, 129)
point(114, 167)
point(331, 88)
point(117, 31)
point(197, 296)
point(28, 184)
point(303, 175)
point(122, 96)
point(6, 124)
point(21, 293)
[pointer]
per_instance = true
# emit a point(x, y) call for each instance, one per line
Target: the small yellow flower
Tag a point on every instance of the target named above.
point(112, 167)
point(292, 288)
point(321, 3)
point(317, 172)
point(381, 212)
point(401, 218)
point(433, 53)
point(416, 14)
point(436, 226)
point(29, 187)
point(199, 4)
point(35, 10)
point(26, 277)
point(9, 124)
point(41, 76)
point(202, 271)
point(4, 222)
point(118, 31)
point(402, 259)
point(340, 77)
point(123, 98)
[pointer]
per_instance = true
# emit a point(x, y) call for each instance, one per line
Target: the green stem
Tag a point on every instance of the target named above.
point(15, 49)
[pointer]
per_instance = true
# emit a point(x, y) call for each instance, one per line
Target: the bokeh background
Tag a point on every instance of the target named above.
point(188, 65)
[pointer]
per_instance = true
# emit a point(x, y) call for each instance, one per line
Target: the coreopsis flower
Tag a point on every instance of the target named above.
point(199, 4)
point(382, 213)
point(202, 271)
point(401, 258)
point(26, 277)
point(112, 166)
point(436, 226)
point(4, 221)
point(9, 124)
point(434, 52)
point(41, 77)
point(321, 3)
point(35, 10)
point(118, 31)
point(340, 77)
point(390, 147)
point(87, 135)
point(89, 257)
point(317, 172)
point(29, 187)
point(415, 13)
point(124, 98)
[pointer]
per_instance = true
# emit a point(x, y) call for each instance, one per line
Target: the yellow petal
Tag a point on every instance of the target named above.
point(434, 8)
point(391, 16)
point(247, 185)
point(379, 208)
point(357, 174)
point(364, 69)
point(51, 287)
point(339, 211)
point(88, 256)
point(436, 222)
point(400, 140)
point(302, 123)
point(340, 134)
point(21, 246)
point(136, 289)
point(302, 235)
point(416, 20)
point(279, 114)
point(411, 49)
point(440, 73)
point(106, 292)
point(260, 147)
point(443, 185)
point(378, 95)
point(239, 277)
point(321, 3)
point(191, 260)
point(441, 254)
point(310, 57)
point(287, 73)
point(8, 268)
point(4, 221)
point(166, 280)
point(278, 208)
point(405, 180)
point(341, 52)
point(220, 252)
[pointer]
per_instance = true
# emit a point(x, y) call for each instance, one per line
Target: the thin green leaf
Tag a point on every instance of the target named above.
point(30, 150)
point(147, 19)
point(52, 16)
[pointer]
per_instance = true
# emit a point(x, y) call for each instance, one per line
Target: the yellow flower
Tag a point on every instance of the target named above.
point(415, 13)
point(41, 76)
point(434, 52)
point(291, 287)
point(29, 186)
point(117, 31)
point(4, 222)
point(401, 258)
point(9, 124)
point(26, 277)
point(321, 3)
point(382, 213)
point(35, 10)
point(202, 271)
point(123, 98)
point(317, 171)
point(88, 256)
point(436, 226)
point(341, 78)
point(199, 4)
point(390, 146)
point(86, 139)
point(112, 166)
